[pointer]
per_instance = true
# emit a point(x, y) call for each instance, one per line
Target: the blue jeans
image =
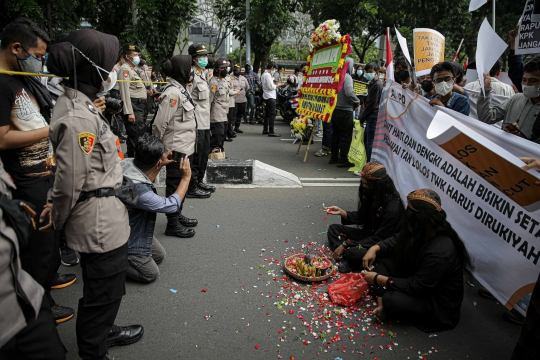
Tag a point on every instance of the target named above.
point(250, 109)
point(327, 135)
point(369, 136)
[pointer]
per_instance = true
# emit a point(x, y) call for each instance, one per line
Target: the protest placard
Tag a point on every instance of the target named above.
point(360, 88)
point(428, 50)
point(489, 47)
point(490, 201)
point(528, 38)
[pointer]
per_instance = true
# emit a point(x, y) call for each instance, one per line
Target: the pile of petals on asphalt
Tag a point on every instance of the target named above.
point(319, 324)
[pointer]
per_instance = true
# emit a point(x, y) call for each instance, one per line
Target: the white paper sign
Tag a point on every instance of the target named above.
point(476, 4)
point(489, 47)
point(403, 43)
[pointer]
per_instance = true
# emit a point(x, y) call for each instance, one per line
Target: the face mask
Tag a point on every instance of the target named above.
point(223, 73)
point(236, 72)
point(142, 63)
point(427, 85)
point(359, 72)
point(369, 76)
point(272, 72)
point(107, 86)
point(228, 69)
point(531, 91)
point(444, 88)
point(31, 64)
point(459, 79)
point(202, 62)
point(136, 60)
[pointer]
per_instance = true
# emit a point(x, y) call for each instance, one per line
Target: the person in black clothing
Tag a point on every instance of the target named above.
point(369, 115)
point(419, 272)
point(358, 75)
point(379, 214)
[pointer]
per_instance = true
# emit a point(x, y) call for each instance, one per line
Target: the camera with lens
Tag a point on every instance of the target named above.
point(112, 104)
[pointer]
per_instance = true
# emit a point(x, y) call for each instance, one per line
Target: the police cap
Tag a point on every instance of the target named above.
point(222, 63)
point(127, 48)
point(198, 49)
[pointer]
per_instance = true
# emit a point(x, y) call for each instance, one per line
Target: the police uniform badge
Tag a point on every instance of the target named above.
point(126, 74)
point(86, 142)
point(173, 102)
point(214, 88)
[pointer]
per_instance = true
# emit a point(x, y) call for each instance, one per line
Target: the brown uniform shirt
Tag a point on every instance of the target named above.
point(219, 99)
point(200, 92)
point(128, 90)
point(175, 121)
point(240, 83)
point(232, 91)
point(87, 159)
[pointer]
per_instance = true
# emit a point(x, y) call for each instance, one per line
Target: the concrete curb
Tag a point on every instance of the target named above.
point(264, 176)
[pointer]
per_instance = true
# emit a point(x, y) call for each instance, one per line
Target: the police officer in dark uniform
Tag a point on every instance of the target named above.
point(133, 94)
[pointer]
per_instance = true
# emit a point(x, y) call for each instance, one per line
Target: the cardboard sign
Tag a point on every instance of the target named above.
point(360, 88)
point(528, 39)
point(428, 50)
point(324, 79)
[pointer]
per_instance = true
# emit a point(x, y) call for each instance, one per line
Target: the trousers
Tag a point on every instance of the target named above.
point(369, 136)
point(200, 158)
point(145, 268)
point(172, 180)
point(270, 117)
point(240, 110)
point(104, 277)
point(38, 340)
point(342, 127)
point(231, 119)
point(41, 257)
point(134, 130)
point(218, 135)
point(250, 109)
point(327, 135)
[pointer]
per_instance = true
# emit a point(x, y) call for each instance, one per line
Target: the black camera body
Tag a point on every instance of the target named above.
point(112, 104)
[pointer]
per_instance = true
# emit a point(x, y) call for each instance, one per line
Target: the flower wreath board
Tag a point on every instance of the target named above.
point(325, 71)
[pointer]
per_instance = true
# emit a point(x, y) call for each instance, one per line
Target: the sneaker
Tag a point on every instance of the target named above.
point(63, 280)
point(321, 152)
point(69, 257)
point(357, 173)
point(319, 134)
point(62, 313)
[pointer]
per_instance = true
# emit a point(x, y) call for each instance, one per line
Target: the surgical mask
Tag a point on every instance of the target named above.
point(136, 60)
point(236, 72)
point(202, 62)
point(402, 75)
point(30, 64)
point(531, 91)
point(444, 88)
point(272, 72)
point(223, 73)
point(359, 72)
point(369, 76)
point(107, 86)
point(427, 85)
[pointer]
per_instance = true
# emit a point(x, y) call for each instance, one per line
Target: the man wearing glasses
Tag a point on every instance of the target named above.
point(443, 75)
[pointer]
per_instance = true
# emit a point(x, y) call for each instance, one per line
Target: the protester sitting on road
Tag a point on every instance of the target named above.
point(368, 119)
point(444, 78)
point(144, 250)
point(497, 87)
point(379, 215)
point(419, 272)
point(520, 113)
point(342, 120)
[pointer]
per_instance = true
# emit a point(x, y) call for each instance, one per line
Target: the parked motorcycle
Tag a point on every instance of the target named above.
point(287, 103)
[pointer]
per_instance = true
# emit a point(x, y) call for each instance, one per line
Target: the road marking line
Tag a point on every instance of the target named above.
point(328, 184)
point(331, 179)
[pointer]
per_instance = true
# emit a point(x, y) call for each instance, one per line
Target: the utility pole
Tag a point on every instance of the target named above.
point(134, 13)
point(248, 36)
point(493, 1)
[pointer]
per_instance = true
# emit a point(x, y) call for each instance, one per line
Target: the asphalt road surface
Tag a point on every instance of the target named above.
point(216, 295)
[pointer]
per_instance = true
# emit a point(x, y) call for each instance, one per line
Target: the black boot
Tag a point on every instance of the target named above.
point(195, 193)
point(187, 222)
point(174, 228)
point(206, 187)
point(124, 335)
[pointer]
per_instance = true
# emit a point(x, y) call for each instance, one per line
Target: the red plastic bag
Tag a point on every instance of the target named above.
point(347, 289)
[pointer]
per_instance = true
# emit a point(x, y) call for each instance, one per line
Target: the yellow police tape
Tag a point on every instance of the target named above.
point(22, 73)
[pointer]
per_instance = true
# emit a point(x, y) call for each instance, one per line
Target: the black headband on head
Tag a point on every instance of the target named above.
point(424, 201)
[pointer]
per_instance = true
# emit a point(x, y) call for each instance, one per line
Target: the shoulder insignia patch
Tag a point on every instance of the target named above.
point(126, 74)
point(214, 88)
point(86, 142)
point(173, 102)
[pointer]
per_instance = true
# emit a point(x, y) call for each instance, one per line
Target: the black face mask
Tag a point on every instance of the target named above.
point(236, 72)
point(142, 63)
point(402, 75)
point(223, 73)
point(427, 85)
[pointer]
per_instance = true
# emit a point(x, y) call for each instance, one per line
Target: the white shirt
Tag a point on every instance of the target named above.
point(268, 86)
point(497, 87)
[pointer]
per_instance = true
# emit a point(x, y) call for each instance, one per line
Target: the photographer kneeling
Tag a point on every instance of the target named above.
point(144, 250)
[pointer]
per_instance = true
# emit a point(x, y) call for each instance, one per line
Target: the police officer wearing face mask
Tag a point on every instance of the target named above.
point(146, 75)
point(133, 94)
point(521, 113)
point(219, 103)
point(231, 115)
point(200, 92)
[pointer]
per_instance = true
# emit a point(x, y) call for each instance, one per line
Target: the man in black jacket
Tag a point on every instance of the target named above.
point(368, 118)
point(378, 217)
